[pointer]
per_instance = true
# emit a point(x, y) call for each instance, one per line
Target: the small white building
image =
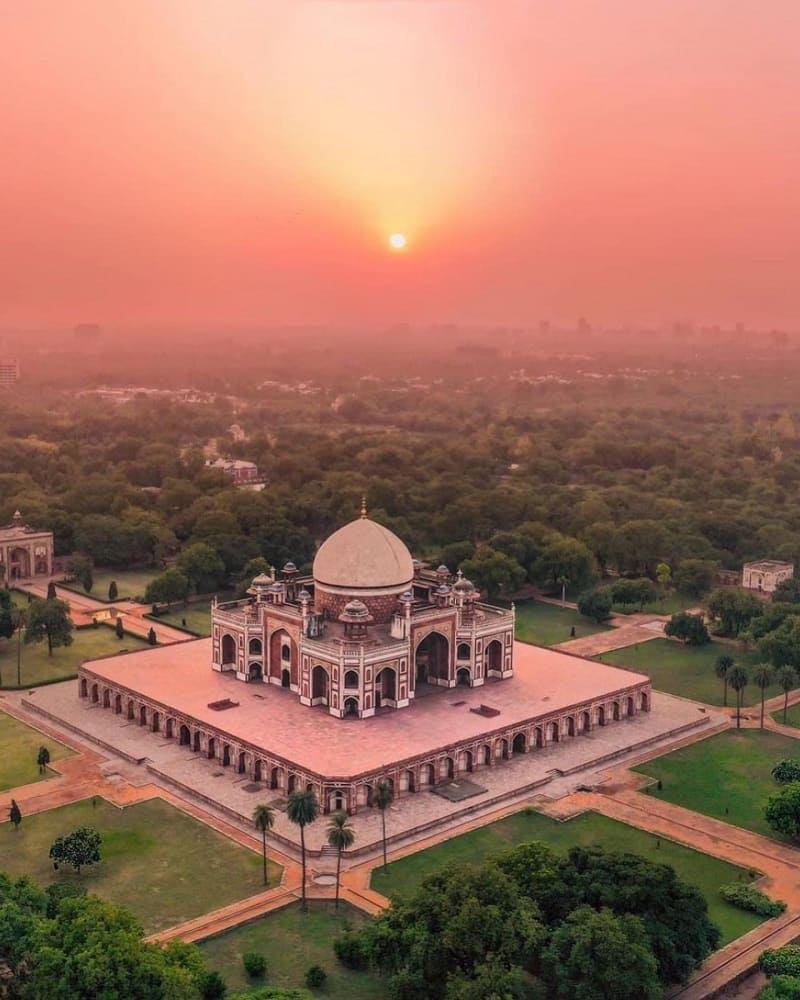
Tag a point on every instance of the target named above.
point(765, 575)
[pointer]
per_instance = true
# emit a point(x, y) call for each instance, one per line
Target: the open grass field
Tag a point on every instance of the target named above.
point(19, 745)
point(164, 865)
point(196, 616)
point(669, 604)
point(688, 670)
point(291, 941)
point(726, 776)
point(38, 667)
point(792, 717)
point(131, 583)
point(548, 624)
point(701, 870)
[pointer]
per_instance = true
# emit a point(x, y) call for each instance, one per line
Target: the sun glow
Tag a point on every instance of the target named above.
point(397, 241)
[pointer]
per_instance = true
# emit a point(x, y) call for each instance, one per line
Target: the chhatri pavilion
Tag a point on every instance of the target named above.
point(373, 668)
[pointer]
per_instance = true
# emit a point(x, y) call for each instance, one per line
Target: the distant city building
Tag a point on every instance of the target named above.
point(24, 552)
point(239, 470)
point(9, 371)
point(766, 574)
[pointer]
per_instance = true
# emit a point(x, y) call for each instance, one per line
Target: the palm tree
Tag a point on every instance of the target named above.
point(763, 678)
point(341, 836)
point(737, 678)
point(722, 668)
point(264, 819)
point(384, 796)
point(303, 808)
point(787, 679)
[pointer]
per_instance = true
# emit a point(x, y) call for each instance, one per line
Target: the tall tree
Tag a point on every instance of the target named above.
point(340, 836)
point(787, 678)
point(49, 620)
point(264, 820)
point(722, 667)
point(6, 615)
point(113, 591)
point(596, 954)
point(737, 678)
point(79, 848)
point(303, 808)
point(762, 675)
point(384, 796)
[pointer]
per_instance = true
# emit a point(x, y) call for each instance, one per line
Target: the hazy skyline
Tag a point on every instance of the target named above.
point(236, 161)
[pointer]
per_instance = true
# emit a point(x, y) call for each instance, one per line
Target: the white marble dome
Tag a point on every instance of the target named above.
point(363, 555)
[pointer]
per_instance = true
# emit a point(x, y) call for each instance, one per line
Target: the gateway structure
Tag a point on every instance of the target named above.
point(372, 669)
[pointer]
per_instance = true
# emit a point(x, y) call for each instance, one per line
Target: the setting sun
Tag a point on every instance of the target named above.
point(397, 241)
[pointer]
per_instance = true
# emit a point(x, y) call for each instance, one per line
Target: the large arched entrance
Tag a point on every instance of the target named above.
point(462, 676)
point(228, 651)
point(386, 687)
point(184, 736)
point(519, 744)
point(432, 659)
point(19, 564)
point(254, 672)
point(351, 707)
point(494, 657)
point(283, 657)
point(319, 686)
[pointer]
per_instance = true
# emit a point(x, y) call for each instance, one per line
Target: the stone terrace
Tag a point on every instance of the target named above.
point(179, 677)
point(556, 770)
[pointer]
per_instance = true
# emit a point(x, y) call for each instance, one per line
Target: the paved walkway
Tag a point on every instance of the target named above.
point(616, 638)
point(83, 608)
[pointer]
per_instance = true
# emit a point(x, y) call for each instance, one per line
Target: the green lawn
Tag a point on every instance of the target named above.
point(131, 583)
point(164, 865)
point(688, 670)
point(291, 941)
point(37, 666)
point(792, 717)
point(19, 745)
point(701, 870)
point(670, 604)
point(197, 618)
point(547, 624)
point(726, 776)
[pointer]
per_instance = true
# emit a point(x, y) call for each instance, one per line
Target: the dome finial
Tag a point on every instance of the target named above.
point(363, 505)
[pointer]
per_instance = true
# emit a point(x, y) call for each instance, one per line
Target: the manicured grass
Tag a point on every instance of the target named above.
point(131, 583)
point(792, 717)
point(726, 776)
point(196, 616)
point(291, 941)
point(688, 670)
point(670, 604)
point(164, 865)
point(548, 624)
point(38, 667)
point(19, 746)
point(701, 870)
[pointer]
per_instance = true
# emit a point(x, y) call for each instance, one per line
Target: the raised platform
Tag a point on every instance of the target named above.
point(268, 735)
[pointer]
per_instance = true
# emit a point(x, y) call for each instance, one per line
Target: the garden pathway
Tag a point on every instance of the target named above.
point(629, 634)
point(82, 608)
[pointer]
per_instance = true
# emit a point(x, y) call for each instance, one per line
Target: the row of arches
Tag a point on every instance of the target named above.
point(279, 776)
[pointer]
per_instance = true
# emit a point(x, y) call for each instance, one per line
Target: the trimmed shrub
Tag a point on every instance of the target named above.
point(316, 977)
point(745, 897)
point(255, 965)
point(783, 961)
point(786, 770)
point(349, 949)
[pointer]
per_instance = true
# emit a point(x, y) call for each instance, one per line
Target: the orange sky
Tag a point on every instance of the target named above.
point(224, 161)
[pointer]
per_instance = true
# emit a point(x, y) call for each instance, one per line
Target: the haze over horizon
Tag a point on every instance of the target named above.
point(234, 162)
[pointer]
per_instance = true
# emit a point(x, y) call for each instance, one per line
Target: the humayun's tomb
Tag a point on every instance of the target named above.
point(373, 668)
